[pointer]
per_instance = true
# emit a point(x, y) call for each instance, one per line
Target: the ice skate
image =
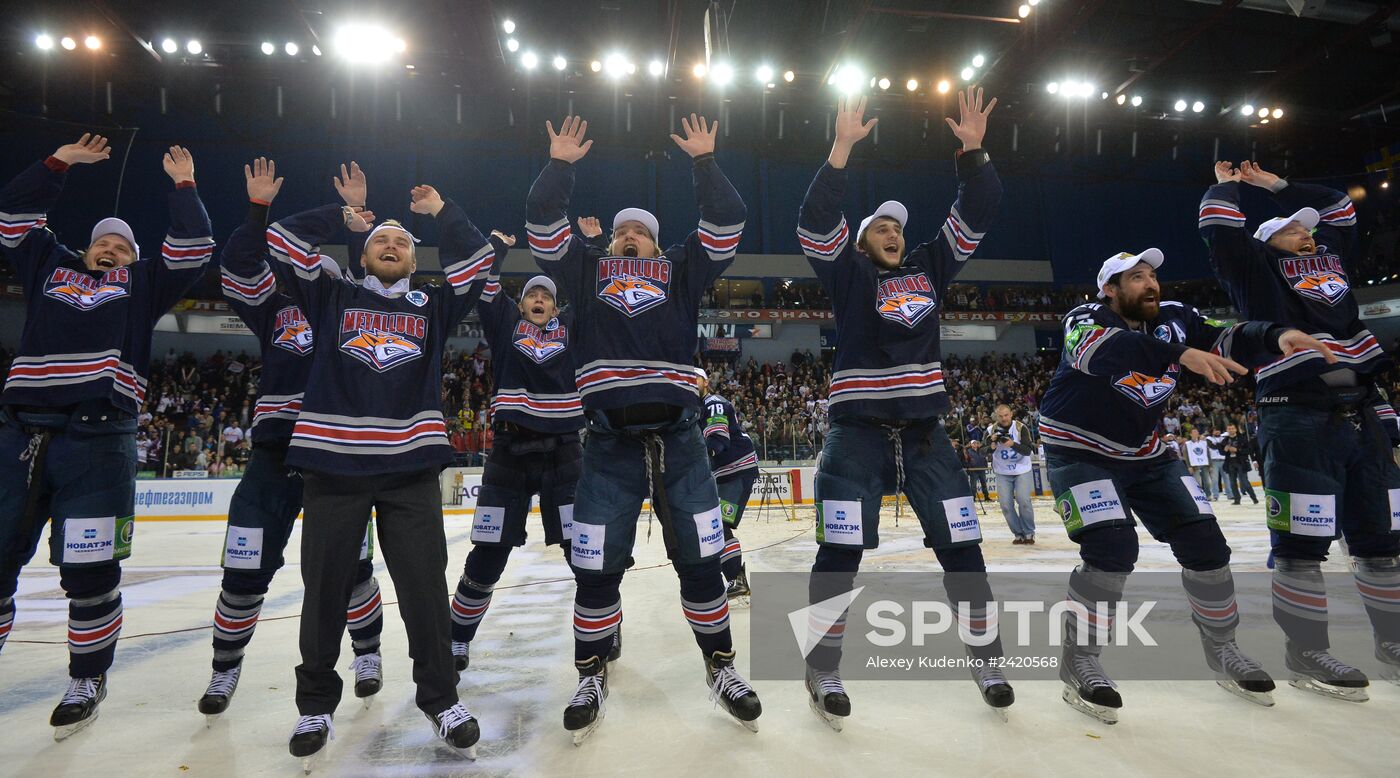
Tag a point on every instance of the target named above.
point(219, 694)
point(78, 708)
point(730, 688)
point(1238, 674)
point(1316, 671)
point(738, 592)
point(827, 697)
point(369, 676)
point(458, 729)
point(996, 692)
point(309, 740)
point(585, 710)
point(1088, 688)
point(461, 657)
point(1388, 652)
point(615, 653)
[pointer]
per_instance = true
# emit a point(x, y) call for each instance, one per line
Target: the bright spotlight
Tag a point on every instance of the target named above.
point(1277, 113)
point(1053, 87)
point(615, 65)
point(1263, 121)
point(559, 62)
point(194, 47)
point(1023, 11)
point(944, 86)
point(764, 74)
point(1247, 109)
point(912, 85)
point(595, 66)
point(967, 74)
point(656, 67)
point(631, 68)
point(884, 83)
point(1033, 3)
point(849, 79)
point(722, 74)
point(1180, 105)
point(292, 49)
point(1069, 88)
point(978, 61)
point(368, 43)
point(169, 46)
point(1263, 112)
point(400, 45)
point(1086, 89)
point(1103, 95)
point(92, 42)
point(44, 42)
point(699, 70)
point(508, 26)
point(315, 49)
point(788, 76)
point(68, 43)
point(268, 48)
point(529, 60)
point(512, 45)
point(1197, 107)
point(1120, 99)
point(1385, 185)
point(1136, 101)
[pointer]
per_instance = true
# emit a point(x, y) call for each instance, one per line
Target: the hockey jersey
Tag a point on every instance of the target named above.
point(1111, 387)
point(635, 318)
point(531, 365)
point(1312, 293)
point(731, 449)
point(888, 358)
point(373, 400)
point(87, 334)
point(285, 338)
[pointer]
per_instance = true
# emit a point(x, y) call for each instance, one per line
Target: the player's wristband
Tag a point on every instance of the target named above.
point(969, 161)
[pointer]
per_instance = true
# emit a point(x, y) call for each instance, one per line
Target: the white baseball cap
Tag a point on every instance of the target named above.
point(638, 215)
point(544, 283)
point(1307, 217)
point(1125, 261)
point(114, 226)
point(891, 208)
point(391, 224)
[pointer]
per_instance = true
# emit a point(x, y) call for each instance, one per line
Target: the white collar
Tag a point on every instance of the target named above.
point(373, 284)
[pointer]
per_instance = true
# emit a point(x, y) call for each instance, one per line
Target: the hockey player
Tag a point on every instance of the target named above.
point(887, 392)
point(1121, 362)
point(536, 416)
point(268, 498)
point(68, 411)
point(371, 436)
point(1325, 431)
point(636, 309)
point(735, 466)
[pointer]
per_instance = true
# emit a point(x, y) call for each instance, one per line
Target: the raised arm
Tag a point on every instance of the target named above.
point(547, 206)
point(25, 202)
point(353, 189)
point(1336, 226)
point(189, 244)
point(722, 211)
point(244, 272)
point(822, 231)
point(295, 243)
point(979, 193)
point(1231, 250)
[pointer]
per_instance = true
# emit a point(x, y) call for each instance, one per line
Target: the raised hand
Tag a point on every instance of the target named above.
point(359, 221)
point(568, 144)
point(425, 200)
point(89, 148)
point(1251, 173)
point(509, 240)
point(352, 186)
point(179, 164)
point(261, 178)
point(851, 126)
point(1226, 172)
point(972, 118)
point(699, 136)
point(589, 226)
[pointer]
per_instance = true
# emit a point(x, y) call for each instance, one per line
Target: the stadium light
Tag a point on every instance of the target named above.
point(512, 45)
point(1180, 105)
point(1136, 101)
point(656, 67)
point(849, 79)
point(1120, 99)
point(400, 45)
point(884, 82)
point(944, 86)
point(764, 74)
point(169, 46)
point(788, 76)
point(529, 60)
point(595, 66)
point(68, 43)
point(508, 26)
point(292, 49)
point(722, 73)
point(1263, 113)
point(1247, 109)
point(1053, 87)
point(1197, 107)
point(92, 42)
point(1033, 3)
point(1277, 113)
point(699, 70)
point(912, 85)
point(978, 61)
point(967, 74)
point(44, 42)
point(194, 47)
point(268, 48)
point(1023, 11)
point(615, 65)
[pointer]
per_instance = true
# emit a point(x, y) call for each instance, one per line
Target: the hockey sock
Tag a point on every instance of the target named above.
point(833, 574)
point(7, 619)
point(473, 596)
point(1212, 596)
point(93, 626)
point(364, 617)
point(1378, 580)
point(705, 605)
point(1093, 596)
point(597, 614)
point(1300, 602)
point(235, 618)
point(965, 581)
point(731, 559)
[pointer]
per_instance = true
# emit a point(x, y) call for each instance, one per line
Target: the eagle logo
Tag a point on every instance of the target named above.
point(1326, 286)
point(295, 337)
point(85, 299)
point(1147, 390)
point(538, 349)
point(906, 308)
point(631, 294)
point(381, 350)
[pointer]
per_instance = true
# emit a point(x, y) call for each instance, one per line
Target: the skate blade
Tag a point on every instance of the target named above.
point(1099, 713)
point(66, 731)
point(1265, 699)
point(1002, 714)
point(368, 701)
point(831, 720)
point(309, 763)
point(581, 735)
point(1391, 674)
point(751, 726)
point(210, 718)
point(1346, 694)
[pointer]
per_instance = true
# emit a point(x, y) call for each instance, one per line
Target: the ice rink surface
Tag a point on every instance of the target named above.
point(659, 720)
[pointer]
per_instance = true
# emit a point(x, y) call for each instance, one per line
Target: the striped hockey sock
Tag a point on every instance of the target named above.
point(1212, 596)
point(1378, 580)
point(93, 626)
point(1300, 602)
point(235, 618)
point(364, 617)
point(731, 559)
point(705, 605)
point(1093, 595)
point(469, 604)
point(594, 629)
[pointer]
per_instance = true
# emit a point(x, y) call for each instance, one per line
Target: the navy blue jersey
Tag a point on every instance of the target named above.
point(373, 401)
point(1312, 293)
point(1113, 382)
point(635, 319)
point(530, 365)
point(285, 339)
point(87, 334)
point(731, 449)
point(888, 356)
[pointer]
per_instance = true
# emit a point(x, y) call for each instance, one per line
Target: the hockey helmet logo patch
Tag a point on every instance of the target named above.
point(634, 285)
point(1166, 333)
point(905, 299)
point(538, 344)
point(292, 332)
point(1147, 390)
point(382, 340)
point(1321, 278)
point(84, 292)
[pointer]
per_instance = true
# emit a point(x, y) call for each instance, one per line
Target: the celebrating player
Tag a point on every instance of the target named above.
point(735, 466)
point(370, 436)
point(636, 311)
point(887, 390)
point(68, 412)
point(269, 496)
point(1099, 418)
point(1325, 431)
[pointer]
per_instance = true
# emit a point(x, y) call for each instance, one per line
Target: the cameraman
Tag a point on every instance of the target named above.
point(1011, 461)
